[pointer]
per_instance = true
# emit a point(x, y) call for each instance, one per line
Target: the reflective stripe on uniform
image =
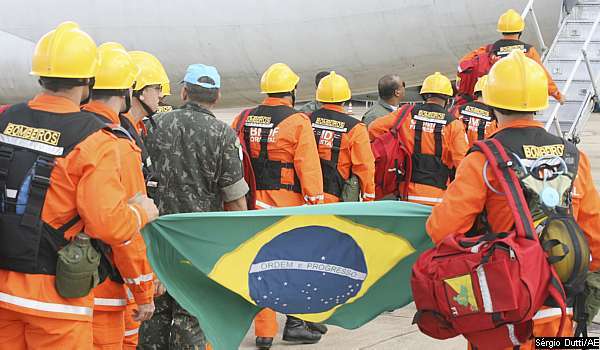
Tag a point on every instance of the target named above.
point(425, 199)
point(511, 334)
point(551, 312)
point(32, 145)
point(139, 279)
point(369, 195)
point(43, 306)
point(137, 214)
point(314, 198)
point(263, 205)
point(109, 302)
point(129, 294)
point(130, 332)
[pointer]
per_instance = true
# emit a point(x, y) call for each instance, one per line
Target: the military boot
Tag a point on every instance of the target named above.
point(317, 327)
point(264, 343)
point(297, 331)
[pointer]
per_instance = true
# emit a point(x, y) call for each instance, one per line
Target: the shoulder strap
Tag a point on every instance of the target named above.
point(242, 121)
point(502, 167)
point(120, 132)
point(401, 118)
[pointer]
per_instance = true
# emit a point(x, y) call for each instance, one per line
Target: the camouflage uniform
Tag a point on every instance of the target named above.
point(310, 107)
point(379, 109)
point(198, 167)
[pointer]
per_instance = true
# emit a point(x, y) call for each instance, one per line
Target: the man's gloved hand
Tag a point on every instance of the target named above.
point(147, 205)
point(144, 312)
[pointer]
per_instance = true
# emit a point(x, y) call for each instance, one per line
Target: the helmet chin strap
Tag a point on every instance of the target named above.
point(149, 111)
point(90, 85)
point(127, 103)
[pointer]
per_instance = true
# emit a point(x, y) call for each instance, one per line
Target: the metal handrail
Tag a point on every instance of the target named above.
point(538, 32)
point(563, 23)
point(554, 115)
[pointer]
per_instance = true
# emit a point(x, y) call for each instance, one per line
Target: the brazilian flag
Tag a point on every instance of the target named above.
point(341, 264)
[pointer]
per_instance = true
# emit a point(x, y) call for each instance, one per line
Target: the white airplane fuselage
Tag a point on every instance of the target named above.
point(361, 40)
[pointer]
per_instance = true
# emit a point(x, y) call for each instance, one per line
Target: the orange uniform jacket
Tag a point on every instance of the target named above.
point(355, 157)
point(472, 124)
point(534, 55)
point(129, 257)
point(85, 182)
point(468, 196)
point(292, 141)
point(454, 148)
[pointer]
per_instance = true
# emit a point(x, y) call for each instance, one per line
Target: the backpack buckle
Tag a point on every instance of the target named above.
point(40, 181)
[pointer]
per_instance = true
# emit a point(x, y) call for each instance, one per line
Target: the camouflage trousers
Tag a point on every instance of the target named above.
point(171, 327)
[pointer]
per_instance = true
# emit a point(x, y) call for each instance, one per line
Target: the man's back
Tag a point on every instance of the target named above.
point(197, 161)
point(378, 109)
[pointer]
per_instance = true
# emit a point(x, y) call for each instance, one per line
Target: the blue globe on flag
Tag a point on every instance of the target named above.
point(308, 269)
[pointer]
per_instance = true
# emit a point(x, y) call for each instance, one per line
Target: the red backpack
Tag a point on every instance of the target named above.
point(393, 162)
point(488, 287)
point(246, 161)
point(470, 68)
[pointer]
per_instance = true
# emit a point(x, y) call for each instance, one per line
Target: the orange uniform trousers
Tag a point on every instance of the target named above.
point(132, 329)
point(546, 327)
point(265, 324)
point(19, 331)
point(108, 329)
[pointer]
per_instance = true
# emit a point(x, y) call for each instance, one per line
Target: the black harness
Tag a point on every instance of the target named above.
point(479, 113)
point(268, 172)
point(428, 169)
point(30, 143)
point(328, 124)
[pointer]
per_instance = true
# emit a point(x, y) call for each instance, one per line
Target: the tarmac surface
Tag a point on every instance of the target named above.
point(394, 330)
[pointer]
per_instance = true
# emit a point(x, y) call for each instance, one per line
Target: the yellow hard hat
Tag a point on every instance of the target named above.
point(166, 89)
point(437, 84)
point(116, 71)
point(152, 71)
point(480, 84)
point(517, 83)
point(333, 88)
point(65, 52)
point(278, 78)
point(511, 22)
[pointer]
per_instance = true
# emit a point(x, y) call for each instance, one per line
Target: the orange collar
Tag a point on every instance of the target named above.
point(332, 107)
point(276, 101)
point(102, 109)
point(53, 104)
point(519, 123)
point(140, 127)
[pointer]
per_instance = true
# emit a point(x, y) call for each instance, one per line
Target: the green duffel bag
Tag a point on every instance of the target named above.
point(77, 268)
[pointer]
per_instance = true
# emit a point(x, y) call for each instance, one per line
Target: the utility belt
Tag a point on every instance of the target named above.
point(428, 169)
point(268, 175)
point(268, 172)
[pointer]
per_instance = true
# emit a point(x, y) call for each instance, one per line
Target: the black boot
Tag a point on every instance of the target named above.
point(297, 331)
point(317, 327)
point(264, 343)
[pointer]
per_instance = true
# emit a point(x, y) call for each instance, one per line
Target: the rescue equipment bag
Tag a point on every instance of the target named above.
point(393, 162)
point(246, 160)
point(487, 287)
point(470, 68)
point(77, 268)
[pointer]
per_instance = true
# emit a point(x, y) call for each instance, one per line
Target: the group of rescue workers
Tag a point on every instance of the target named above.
point(77, 164)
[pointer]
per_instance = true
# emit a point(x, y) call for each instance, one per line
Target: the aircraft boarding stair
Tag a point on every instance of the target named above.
point(574, 61)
